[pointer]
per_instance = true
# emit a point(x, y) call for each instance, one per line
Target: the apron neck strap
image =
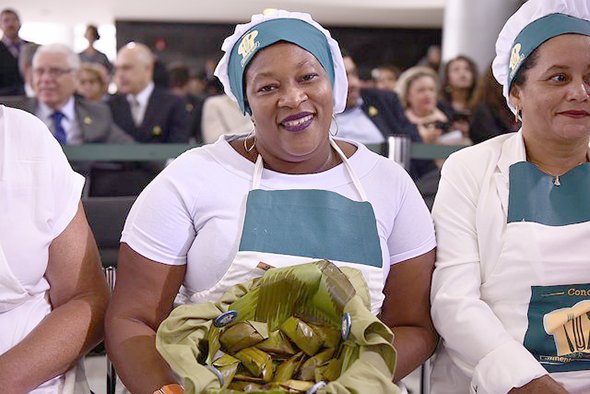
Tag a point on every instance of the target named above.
point(259, 166)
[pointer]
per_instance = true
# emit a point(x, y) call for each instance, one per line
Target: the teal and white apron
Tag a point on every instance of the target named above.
point(291, 227)
point(20, 312)
point(540, 288)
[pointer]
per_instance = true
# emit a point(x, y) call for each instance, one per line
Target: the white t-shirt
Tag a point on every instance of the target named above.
point(193, 211)
point(39, 193)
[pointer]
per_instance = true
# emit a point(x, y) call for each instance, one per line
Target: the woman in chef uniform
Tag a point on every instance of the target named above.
point(511, 288)
point(287, 193)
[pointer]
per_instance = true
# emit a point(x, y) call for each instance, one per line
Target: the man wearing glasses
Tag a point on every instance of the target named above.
point(71, 119)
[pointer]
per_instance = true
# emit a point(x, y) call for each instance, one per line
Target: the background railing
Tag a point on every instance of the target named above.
point(147, 152)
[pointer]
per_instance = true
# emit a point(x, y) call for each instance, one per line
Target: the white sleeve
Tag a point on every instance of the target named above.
point(66, 187)
point(53, 190)
point(413, 232)
point(475, 338)
point(160, 223)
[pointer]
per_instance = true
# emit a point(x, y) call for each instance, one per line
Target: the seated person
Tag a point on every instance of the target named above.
point(93, 82)
point(184, 232)
point(511, 286)
point(372, 115)
point(53, 294)
point(71, 119)
point(144, 111)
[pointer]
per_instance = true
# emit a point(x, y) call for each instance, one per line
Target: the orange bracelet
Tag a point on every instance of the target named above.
point(170, 389)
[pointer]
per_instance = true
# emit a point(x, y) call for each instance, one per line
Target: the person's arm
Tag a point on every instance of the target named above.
point(406, 310)
point(143, 298)
point(474, 336)
point(79, 296)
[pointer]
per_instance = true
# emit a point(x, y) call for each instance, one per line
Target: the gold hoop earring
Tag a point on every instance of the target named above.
point(336, 123)
point(250, 134)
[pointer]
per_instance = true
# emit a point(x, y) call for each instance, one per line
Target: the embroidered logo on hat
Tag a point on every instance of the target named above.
point(248, 46)
point(515, 59)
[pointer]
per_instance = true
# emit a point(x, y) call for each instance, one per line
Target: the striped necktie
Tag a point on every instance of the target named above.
point(58, 128)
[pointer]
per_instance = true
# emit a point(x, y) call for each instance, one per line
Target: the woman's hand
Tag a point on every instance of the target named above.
point(545, 384)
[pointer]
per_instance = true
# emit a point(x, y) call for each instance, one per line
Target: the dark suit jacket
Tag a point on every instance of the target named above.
point(386, 112)
point(11, 82)
point(165, 119)
point(94, 119)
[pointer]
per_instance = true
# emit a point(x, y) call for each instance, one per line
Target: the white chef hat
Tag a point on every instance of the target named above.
point(534, 23)
point(298, 28)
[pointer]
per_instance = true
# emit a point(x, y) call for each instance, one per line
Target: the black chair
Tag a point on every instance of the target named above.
point(106, 217)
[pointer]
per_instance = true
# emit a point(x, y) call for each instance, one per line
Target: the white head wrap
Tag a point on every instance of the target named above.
point(340, 88)
point(531, 11)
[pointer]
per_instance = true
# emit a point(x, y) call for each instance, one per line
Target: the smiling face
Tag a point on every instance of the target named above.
point(555, 97)
point(422, 95)
point(290, 96)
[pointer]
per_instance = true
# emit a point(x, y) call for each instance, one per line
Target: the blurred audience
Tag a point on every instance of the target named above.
point(221, 115)
point(91, 54)
point(25, 65)
point(372, 115)
point(11, 81)
point(197, 83)
point(71, 119)
point(417, 88)
point(491, 115)
point(93, 82)
point(179, 79)
point(432, 58)
point(458, 84)
point(385, 76)
point(146, 112)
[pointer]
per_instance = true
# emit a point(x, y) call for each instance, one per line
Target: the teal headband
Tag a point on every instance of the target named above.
point(267, 33)
point(539, 31)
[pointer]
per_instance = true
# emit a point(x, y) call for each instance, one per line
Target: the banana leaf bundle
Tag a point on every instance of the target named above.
point(286, 337)
point(242, 335)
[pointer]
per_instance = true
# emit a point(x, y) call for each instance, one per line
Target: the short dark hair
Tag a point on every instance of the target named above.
point(94, 30)
point(10, 11)
point(179, 75)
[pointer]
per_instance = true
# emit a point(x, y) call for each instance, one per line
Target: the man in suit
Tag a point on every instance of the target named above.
point(71, 119)
point(11, 80)
point(146, 112)
point(372, 115)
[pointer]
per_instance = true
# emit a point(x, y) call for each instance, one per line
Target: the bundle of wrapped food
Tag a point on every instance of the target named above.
point(291, 359)
point(299, 329)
